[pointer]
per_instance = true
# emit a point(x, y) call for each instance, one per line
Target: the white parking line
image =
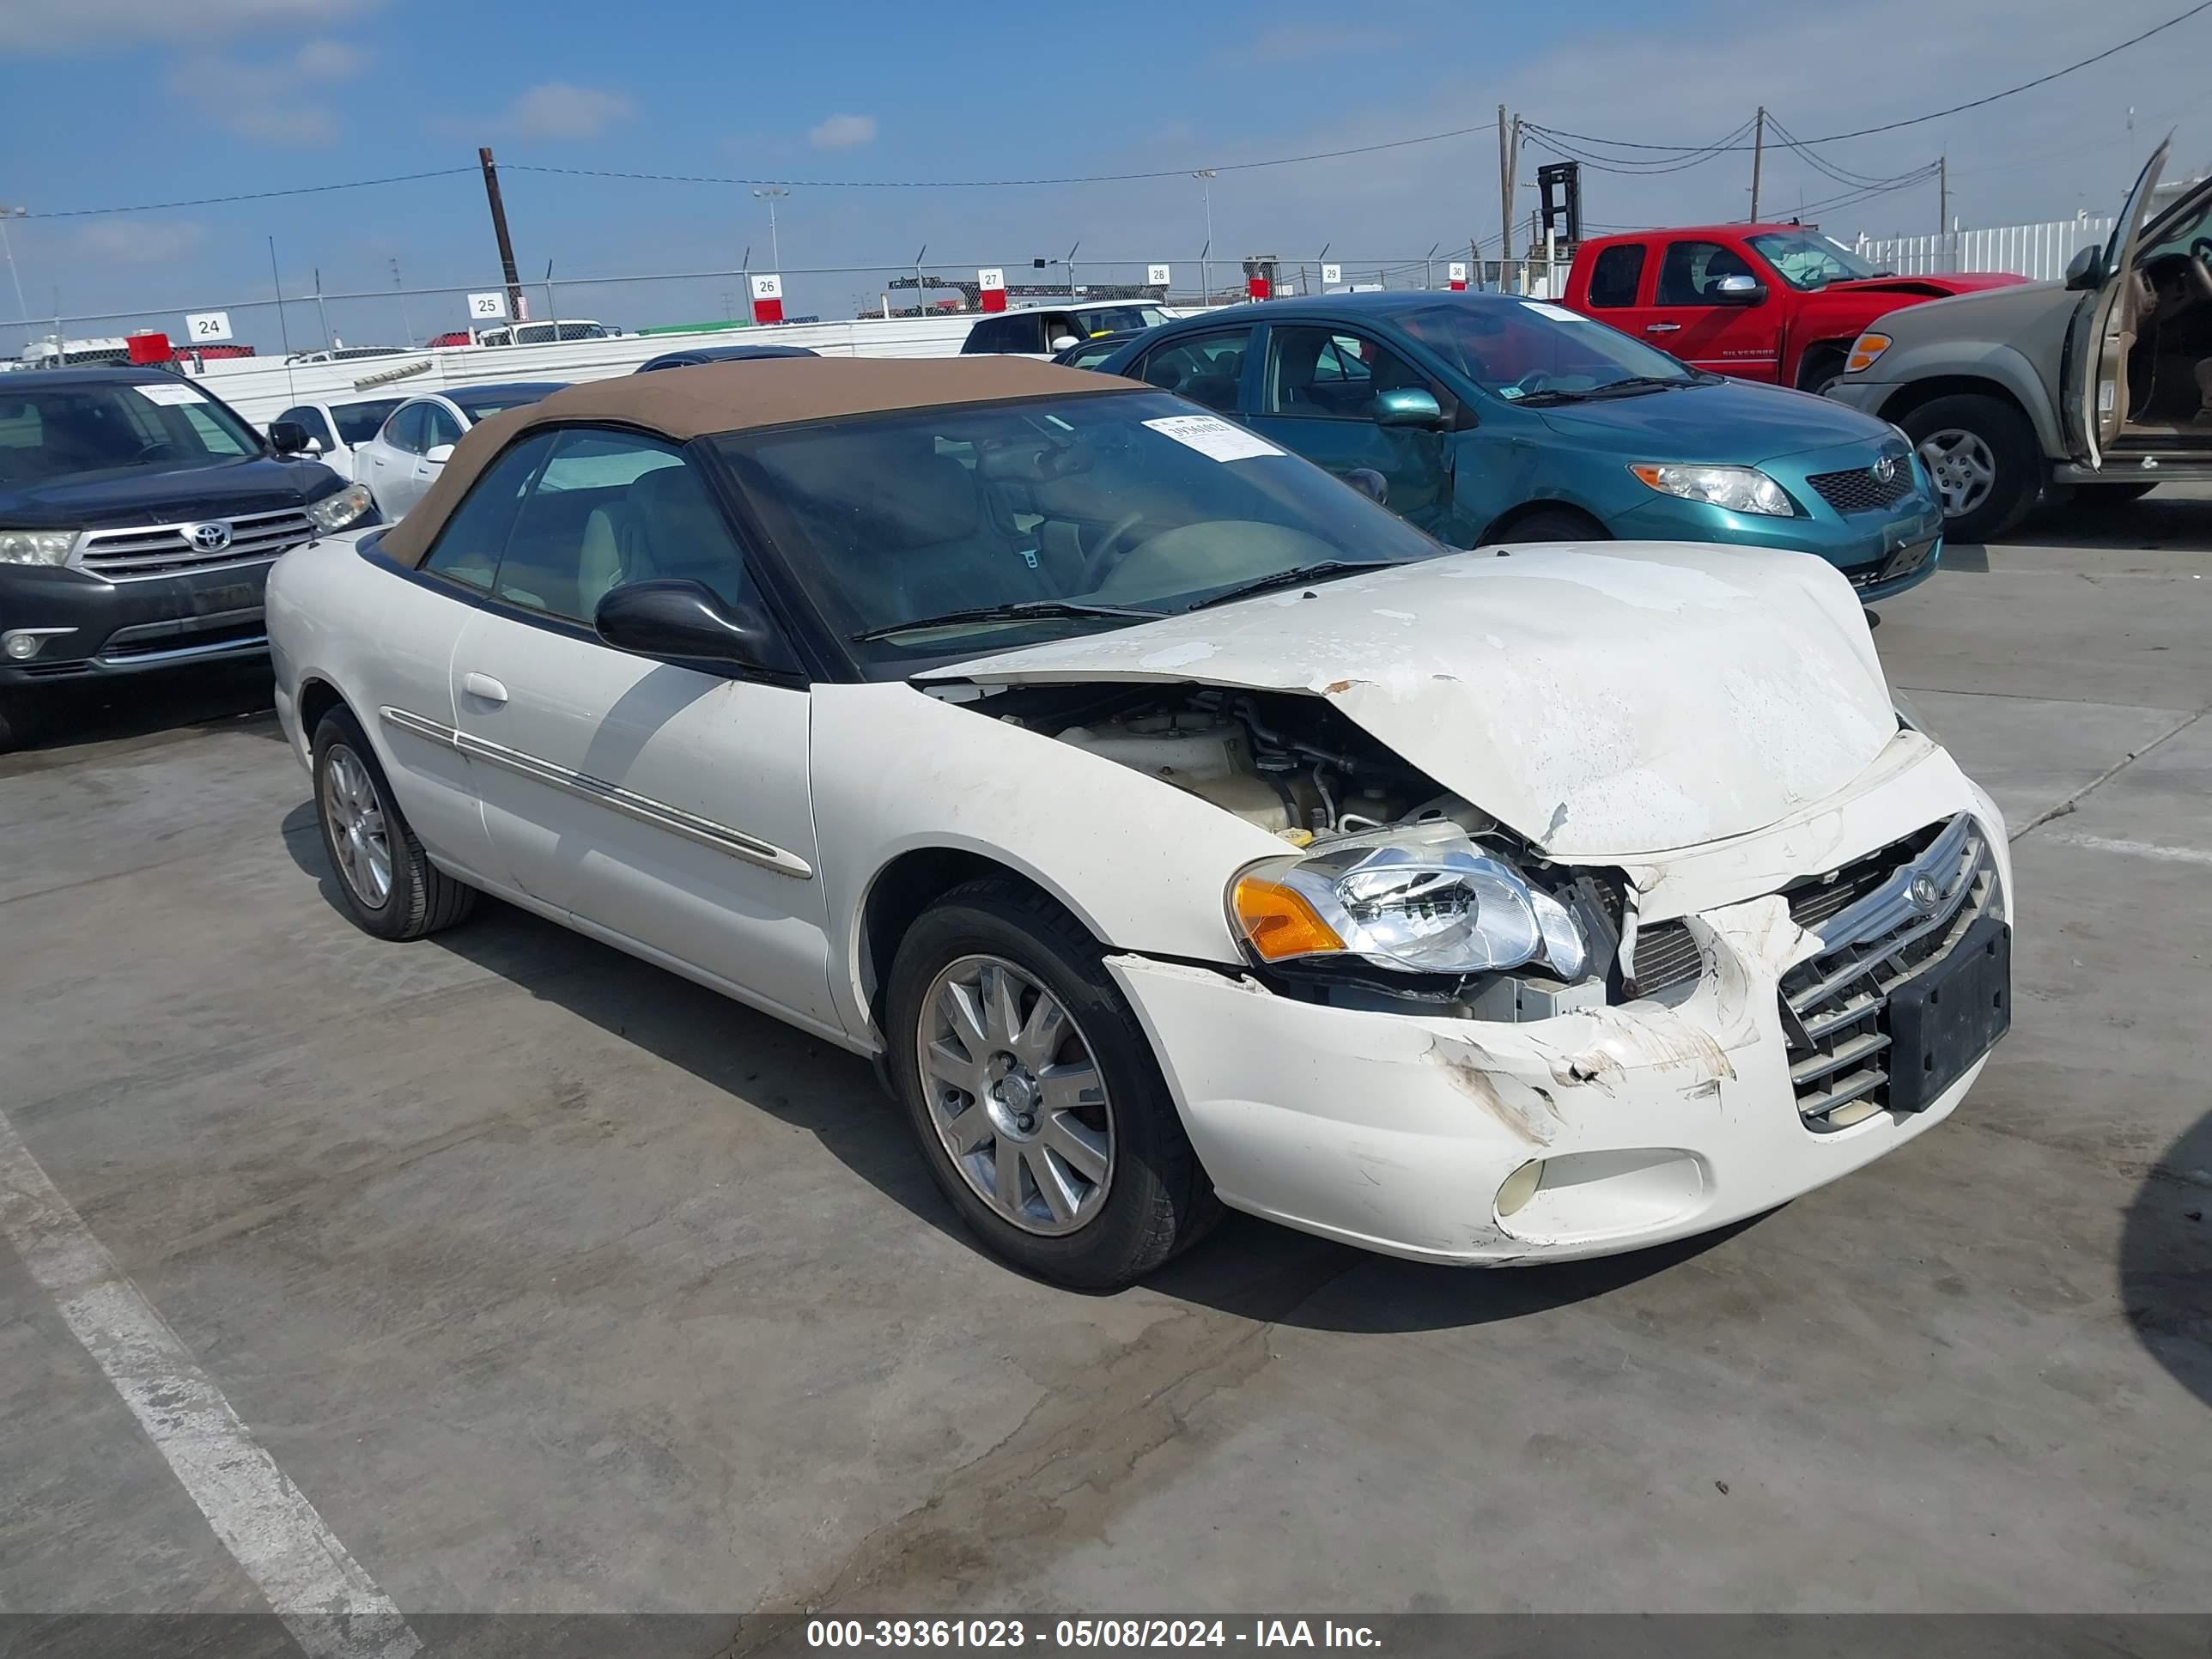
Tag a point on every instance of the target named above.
point(329, 1604)
point(2147, 849)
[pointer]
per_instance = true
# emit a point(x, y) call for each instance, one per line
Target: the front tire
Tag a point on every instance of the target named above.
point(1033, 1092)
point(1982, 453)
point(19, 719)
point(1551, 524)
point(386, 882)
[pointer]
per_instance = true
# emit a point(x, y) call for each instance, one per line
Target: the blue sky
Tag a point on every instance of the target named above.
point(159, 100)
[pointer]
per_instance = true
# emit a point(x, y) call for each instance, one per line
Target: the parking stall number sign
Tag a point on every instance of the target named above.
point(1331, 274)
point(991, 288)
point(1456, 270)
point(207, 327)
point(1158, 276)
point(483, 307)
point(768, 297)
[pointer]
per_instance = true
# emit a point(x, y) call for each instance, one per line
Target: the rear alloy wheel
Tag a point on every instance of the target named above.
point(1982, 454)
point(1033, 1091)
point(386, 882)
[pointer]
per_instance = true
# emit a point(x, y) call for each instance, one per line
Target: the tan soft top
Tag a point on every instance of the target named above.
point(681, 403)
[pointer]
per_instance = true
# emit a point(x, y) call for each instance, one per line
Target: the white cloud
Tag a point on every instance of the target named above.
point(844, 132)
point(139, 241)
point(558, 109)
point(263, 100)
point(64, 26)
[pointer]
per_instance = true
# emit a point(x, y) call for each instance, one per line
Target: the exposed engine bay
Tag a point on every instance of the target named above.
point(1296, 767)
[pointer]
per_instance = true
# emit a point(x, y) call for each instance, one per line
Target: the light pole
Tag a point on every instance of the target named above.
point(22, 305)
point(772, 194)
point(1205, 177)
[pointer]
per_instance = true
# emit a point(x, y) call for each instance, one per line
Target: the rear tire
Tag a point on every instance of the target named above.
point(386, 883)
point(1152, 1198)
point(21, 718)
point(1983, 455)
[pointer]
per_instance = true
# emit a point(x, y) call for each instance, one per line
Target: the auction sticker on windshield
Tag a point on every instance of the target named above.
point(169, 394)
point(1210, 436)
point(1556, 313)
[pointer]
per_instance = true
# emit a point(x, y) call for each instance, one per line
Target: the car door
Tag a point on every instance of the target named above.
point(1315, 397)
point(2093, 377)
point(386, 463)
point(1686, 316)
point(662, 806)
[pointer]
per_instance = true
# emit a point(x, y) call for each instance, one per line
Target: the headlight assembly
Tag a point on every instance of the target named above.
point(1417, 907)
point(36, 546)
point(1738, 488)
point(342, 507)
point(1866, 351)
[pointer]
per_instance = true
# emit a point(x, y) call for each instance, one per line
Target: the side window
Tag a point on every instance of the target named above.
point(1204, 368)
point(612, 507)
point(312, 418)
point(404, 430)
point(439, 426)
point(467, 550)
point(983, 337)
point(1692, 271)
point(1321, 373)
point(1614, 276)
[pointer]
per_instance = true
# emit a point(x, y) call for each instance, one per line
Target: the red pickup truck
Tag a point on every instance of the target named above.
point(1763, 302)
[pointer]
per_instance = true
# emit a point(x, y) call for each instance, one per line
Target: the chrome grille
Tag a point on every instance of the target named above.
point(1858, 490)
point(1874, 936)
point(141, 551)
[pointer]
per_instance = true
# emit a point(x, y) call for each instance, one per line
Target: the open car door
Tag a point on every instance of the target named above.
point(2094, 397)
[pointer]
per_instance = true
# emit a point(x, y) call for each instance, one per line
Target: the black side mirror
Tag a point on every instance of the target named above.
point(1369, 483)
point(1740, 291)
point(2086, 270)
point(290, 438)
point(687, 622)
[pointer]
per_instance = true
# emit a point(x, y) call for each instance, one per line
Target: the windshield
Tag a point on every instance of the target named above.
point(1118, 319)
point(1137, 501)
point(1810, 262)
point(481, 403)
point(50, 433)
point(358, 423)
point(1522, 349)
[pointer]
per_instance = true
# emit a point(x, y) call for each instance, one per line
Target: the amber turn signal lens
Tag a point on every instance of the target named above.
point(1864, 351)
point(1280, 922)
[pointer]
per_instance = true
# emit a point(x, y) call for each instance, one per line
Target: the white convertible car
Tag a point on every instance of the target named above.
point(1176, 826)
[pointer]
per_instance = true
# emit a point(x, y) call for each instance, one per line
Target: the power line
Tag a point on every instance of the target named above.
point(254, 196)
point(1934, 115)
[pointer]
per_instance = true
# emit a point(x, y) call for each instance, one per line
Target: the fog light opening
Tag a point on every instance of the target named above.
point(22, 646)
point(1517, 1188)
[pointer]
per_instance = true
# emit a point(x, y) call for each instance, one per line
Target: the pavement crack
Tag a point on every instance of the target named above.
point(2072, 801)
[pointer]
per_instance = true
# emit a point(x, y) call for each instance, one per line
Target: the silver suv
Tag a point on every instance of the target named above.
point(2102, 381)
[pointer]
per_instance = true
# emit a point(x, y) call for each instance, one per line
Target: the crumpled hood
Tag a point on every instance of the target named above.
point(1731, 422)
point(1949, 282)
point(1602, 699)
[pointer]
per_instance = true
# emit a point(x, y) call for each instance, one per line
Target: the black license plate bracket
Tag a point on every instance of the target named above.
point(1943, 1021)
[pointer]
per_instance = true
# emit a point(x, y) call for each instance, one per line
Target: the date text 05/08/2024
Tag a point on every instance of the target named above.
point(1074, 1633)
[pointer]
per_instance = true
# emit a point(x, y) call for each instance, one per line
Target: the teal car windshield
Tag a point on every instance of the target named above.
point(985, 526)
point(1536, 352)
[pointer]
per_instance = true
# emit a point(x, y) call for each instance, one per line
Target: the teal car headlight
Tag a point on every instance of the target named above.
point(1738, 488)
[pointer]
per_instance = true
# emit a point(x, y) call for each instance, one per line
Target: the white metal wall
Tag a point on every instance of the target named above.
point(2037, 251)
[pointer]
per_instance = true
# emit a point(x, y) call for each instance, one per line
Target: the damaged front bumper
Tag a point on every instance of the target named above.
point(1648, 1120)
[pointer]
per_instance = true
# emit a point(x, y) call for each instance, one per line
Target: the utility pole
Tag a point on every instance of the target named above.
point(772, 194)
point(1757, 154)
point(1509, 157)
point(506, 270)
point(405, 327)
point(8, 248)
point(1205, 177)
point(1942, 194)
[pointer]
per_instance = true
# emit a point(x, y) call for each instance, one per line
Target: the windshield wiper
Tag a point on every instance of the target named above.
point(1549, 396)
point(1329, 568)
point(1014, 610)
point(1639, 383)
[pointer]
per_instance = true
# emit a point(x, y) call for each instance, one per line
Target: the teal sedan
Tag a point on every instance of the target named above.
point(1486, 418)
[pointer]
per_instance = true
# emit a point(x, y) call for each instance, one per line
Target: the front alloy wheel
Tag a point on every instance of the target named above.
point(1015, 1096)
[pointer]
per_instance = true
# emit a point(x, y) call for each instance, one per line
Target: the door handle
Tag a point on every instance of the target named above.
point(1663, 328)
point(483, 686)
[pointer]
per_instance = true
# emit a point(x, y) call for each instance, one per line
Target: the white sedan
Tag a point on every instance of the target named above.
point(334, 430)
point(1176, 826)
point(403, 458)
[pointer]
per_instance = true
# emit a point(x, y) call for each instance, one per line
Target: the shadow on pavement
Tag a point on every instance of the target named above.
point(2170, 518)
point(69, 721)
point(1247, 1267)
point(2166, 1261)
